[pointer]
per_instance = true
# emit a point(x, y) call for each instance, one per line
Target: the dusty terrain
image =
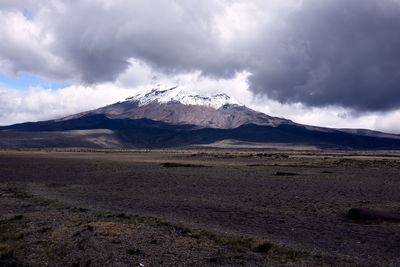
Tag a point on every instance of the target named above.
point(294, 203)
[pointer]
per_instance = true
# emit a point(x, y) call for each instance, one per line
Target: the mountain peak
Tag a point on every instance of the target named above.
point(174, 94)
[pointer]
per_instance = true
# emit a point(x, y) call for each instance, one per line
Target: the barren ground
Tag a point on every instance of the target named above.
point(217, 207)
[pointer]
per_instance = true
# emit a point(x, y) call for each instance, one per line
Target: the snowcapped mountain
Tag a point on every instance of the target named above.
point(177, 106)
point(173, 117)
point(176, 94)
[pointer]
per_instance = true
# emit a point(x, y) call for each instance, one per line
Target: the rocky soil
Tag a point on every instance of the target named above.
point(198, 207)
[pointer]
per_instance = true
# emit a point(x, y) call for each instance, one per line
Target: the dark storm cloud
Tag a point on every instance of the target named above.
point(336, 52)
point(317, 52)
point(172, 36)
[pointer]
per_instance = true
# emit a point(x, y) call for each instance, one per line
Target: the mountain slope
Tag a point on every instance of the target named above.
point(172, 118)
point(176, 106)
point(144, 133)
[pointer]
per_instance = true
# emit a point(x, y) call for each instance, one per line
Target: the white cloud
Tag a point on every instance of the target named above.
point(141, 77)
point(137, 74)
point(332, 116)
point(38, 104)
point(26, 46)
point(388, 122)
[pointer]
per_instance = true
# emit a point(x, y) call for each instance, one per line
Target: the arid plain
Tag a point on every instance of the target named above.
point(197, 207)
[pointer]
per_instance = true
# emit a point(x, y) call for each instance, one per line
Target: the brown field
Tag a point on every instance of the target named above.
point(197, 207)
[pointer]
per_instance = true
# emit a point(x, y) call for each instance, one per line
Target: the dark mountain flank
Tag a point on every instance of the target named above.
point(172, 118)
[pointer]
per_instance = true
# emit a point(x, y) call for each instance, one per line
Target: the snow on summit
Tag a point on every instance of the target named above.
point(175, 94)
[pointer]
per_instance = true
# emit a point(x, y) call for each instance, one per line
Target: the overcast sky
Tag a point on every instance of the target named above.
point(332, 63)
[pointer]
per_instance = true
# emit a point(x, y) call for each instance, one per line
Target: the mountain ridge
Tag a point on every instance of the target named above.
point(145, 133)
point(178, 107)
point(150, 123)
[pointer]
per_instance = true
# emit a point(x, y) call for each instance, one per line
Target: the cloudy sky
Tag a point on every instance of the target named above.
point(332, 63)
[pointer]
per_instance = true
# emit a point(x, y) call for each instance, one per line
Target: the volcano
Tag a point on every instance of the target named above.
point(162, 118)
point(178, 107)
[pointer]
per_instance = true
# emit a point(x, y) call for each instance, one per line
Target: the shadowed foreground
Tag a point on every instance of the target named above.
point(293, 200)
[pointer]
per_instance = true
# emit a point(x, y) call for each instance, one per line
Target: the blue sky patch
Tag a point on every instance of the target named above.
point(25, 80)
point(27, 14)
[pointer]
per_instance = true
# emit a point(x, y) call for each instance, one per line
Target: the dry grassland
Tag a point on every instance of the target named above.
point(197, 207)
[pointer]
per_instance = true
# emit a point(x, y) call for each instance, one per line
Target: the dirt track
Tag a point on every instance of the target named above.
point(235, 192)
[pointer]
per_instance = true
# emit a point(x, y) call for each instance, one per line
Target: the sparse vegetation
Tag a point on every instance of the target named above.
point(238, 211)
point(16, 248)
